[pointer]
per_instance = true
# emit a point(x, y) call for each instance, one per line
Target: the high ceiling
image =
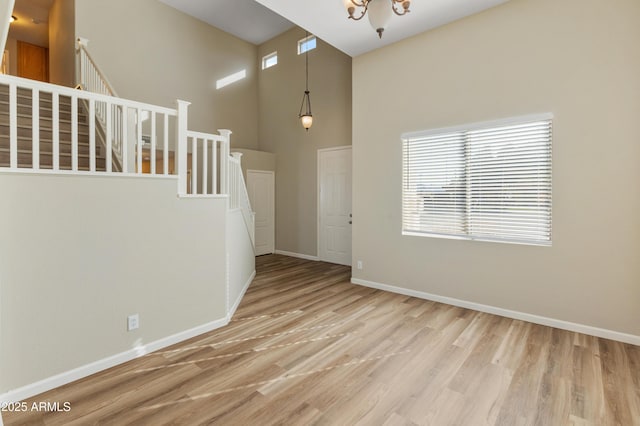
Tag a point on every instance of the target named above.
point(327, 19)
point(245, 19)
point(260, 20)
point(257, 21)
point(32, 24)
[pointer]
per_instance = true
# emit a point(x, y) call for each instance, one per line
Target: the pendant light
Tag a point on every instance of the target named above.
point(305, 117)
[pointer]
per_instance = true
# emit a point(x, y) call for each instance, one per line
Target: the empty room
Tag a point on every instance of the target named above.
point(345, 212)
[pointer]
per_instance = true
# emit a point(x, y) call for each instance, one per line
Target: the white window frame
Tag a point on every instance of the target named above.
point(414, 214)
point(302, 43)
point(267, 58)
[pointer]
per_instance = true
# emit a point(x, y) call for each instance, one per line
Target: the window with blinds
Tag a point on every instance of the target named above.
point(488, 181)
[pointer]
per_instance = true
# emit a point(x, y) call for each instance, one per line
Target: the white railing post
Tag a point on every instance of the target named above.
point(225, 147)
point(182, 108)
point(13, 126)
point(82, 61)
point(235, 187)
point(131, 130)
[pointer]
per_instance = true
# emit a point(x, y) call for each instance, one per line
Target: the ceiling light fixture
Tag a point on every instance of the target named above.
point(306, 118)
point(379, 12)
point(13, 19)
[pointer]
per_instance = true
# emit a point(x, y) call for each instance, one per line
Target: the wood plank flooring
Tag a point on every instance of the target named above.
point(307, 347)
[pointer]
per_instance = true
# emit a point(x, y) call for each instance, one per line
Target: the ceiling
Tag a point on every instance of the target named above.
point(327, 19)
point(32, 24)
point(245, 19)
point(260, 20)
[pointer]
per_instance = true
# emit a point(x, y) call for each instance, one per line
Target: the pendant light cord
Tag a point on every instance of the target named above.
point(306, 57)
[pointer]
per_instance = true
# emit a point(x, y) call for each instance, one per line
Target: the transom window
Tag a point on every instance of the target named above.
point(270, 60)
point(487, 181)
point(306, 44)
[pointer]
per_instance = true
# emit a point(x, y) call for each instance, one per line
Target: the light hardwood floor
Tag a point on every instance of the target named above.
point(307, 347)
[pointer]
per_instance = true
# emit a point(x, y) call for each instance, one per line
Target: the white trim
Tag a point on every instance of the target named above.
point(298, 255)
point(304, 41)
point(202, 196)
point(105, 363)
point(266, 58)
point(318, 230)
point(536, 319)
point(232, 311)
point(65, 173)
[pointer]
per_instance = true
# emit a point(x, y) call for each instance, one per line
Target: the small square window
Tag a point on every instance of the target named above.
point(270, 60)
point(306, 44)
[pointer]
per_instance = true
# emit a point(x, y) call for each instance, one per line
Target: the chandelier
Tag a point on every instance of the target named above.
point(379, 12)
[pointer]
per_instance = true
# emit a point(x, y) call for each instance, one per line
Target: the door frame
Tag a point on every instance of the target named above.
point(272, 173)
point(318, 213)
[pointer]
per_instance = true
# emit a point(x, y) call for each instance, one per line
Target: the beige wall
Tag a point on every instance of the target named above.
point(80, 254)
point(241, 255)
point(156, 54)
point(577, 59)
point(280, 92)
point(62, 58)
point(256, 160)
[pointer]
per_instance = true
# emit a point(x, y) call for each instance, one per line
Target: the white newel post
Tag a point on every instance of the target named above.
point(181, 138)
point(225, 147)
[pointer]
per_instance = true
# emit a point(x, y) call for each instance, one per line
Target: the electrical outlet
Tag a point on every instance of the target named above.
point(133, 322)
point(359, 264)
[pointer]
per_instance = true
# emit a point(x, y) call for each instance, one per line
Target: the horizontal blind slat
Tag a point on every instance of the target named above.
point(492, 182)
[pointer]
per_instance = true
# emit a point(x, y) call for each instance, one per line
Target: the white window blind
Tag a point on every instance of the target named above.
point(489, 181)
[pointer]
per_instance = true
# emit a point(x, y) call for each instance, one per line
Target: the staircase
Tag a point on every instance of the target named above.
point(41, 151)
point(133, 218)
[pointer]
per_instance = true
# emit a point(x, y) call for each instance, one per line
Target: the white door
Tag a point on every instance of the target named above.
point(334, 205)
point(261, 189)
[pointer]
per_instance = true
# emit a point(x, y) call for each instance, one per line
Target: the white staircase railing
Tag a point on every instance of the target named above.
point(209, 162)
point(45, 121)
point(238, 196)
point(90, 76)
point(69, 138)
point(92, 79)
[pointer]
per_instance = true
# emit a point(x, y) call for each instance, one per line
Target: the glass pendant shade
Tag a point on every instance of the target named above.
point(348, 4)
point(379, 15)
point(379, 11)
point(307, 121)
point(305, 115)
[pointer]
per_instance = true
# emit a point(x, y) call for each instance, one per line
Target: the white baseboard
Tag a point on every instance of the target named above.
point(232, 311)
point(536, 319)
point(111, 361)
point(298, 255)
